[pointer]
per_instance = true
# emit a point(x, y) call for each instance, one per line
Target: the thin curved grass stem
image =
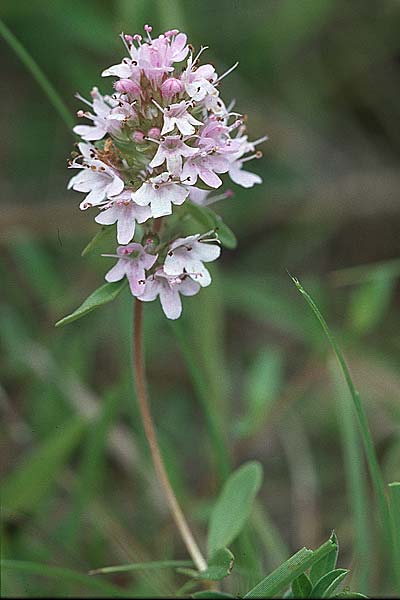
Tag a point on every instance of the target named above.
point(141, 392)
point(37, 74)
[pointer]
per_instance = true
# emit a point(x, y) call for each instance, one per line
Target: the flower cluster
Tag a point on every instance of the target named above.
point(161, 140)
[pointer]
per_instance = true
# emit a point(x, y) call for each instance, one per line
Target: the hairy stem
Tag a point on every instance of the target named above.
point(141, 392)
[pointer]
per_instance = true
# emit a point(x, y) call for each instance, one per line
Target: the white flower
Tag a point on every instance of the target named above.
point(197, 82)
point(160, 192)
point(169, 289)
point(103, 121)
point(186, 255)
point(172, 149)
point(177, 115)
point(133, 261)
point(99, 179)
point(242, 177)
point(125, 212)
point(205, 165)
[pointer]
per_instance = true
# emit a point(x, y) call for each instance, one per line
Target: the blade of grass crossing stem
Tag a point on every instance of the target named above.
point(27, 485)
point(282, 577)
point(394, 499)
point(37, 74)
point(356, 482)
point(62, 574)
point(92, 465)
point(154, 565)
point(370, 452)
point(201, 389)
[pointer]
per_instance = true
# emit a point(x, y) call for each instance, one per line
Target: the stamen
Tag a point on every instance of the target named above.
point(124, 40)
point(221, 77)
point(160, 108)
point(82, 99)
point(260, 140)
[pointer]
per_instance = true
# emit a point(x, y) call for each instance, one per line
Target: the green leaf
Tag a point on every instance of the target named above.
point(233, 506)
point(210, 220)
point(328, 583)
point(211, 594)
point(61, 574)
point(219, 566)
point(326, 564)
point(103, 234)
point(105, 293)
point(26, 486)
point(288, 571)
point(302, 586)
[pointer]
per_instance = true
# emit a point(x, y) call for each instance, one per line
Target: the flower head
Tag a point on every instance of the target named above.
point(159, 144)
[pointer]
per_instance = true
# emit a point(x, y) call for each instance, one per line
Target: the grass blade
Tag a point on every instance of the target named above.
point(38, 75)
point(29, 483)
point(370, 452)
point(356, 480)
point(394, 500)
point(291, 569)
point(62, 574)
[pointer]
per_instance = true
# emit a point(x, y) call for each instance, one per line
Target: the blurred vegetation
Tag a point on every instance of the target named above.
point(246, 373)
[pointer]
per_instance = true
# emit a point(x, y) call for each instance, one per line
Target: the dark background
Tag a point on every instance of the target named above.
point(321, 78)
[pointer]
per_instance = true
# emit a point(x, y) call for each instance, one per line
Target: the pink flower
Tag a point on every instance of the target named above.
point(206, 166)
point(123, 211)
point(186, 255)
point(160, 192)
point(99, 179)
point(177, 115)
point(169, 289)
point(172, 149)
point(133, 261)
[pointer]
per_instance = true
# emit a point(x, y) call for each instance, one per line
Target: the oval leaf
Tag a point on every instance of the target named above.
point(328, 583)
point(105, 293)
point(301, 586)
point(233, 506)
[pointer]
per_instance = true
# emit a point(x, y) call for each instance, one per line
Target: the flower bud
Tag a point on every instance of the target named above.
point(138, 137)
point(170, 87)
point(154, 132)
point(127, 86)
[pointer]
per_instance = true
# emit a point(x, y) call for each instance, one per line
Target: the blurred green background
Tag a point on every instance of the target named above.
point(246, 372)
